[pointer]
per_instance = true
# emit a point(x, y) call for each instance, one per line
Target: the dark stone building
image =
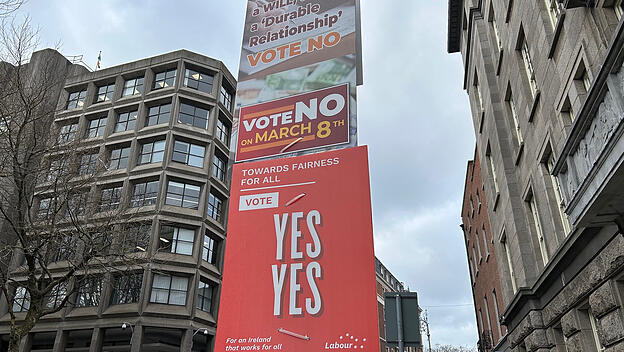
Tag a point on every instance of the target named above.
point(544, 79)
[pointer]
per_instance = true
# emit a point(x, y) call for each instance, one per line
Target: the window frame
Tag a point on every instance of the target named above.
point(135, 86)
point(184, 196)
point(129, 121)
point(219, 167)
point(202, 298)
point(121, 159)
point(78, 101)
point(67, 130)
point(215, 210)
point(199, 82)
point(88, 163)
point(106, 95)
point(21, 301)
point(210, 249)
point(194, 117)
point(169, 238)
point(226, 98)
point(100, 127)
point(223, 132)
point(169, 289)
point(112, 200)
point(159, 116)
point(88, 293)
point(152, 151)
point(146, 198)
point(188, 153)
point(124, 292)
point(168, 79)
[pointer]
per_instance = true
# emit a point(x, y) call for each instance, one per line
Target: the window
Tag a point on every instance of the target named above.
point(144, 193)
point(492, 18)
point(136, 238)
point(119, 158)
point(105, 93)
point(88, 164)
point(58, 169)
point(59, 248)
point(567, 107)
point(478, 245)
point(152, 152)
point(478, 91)
point(209, 252)
point(165, 79)
point(472, 210)
point(133, 86)
point(219, 167)
point(168, 289)
point(554, 10)
point(45, 208)
point(204, 295)
point(183, 195)
point(481, 326)
point(193, 115)
point(594, 323)
point(565, 221)
point(485, 242)
point(89, 292)
point(515, 120)
point(498, 325)
point(111, 197)
point(76, 99)
point(226, 98)
point(474, 256)
point(509, 263)
point(158, 114)
point(619, 9)
point(487, 318)
point(21, 301)
point(223, 132)
point(197, 80)
point(478, 202)
point(538, 228)
point(177, 240)
point(68, 133)
point(215, 207)
point(97, 127)
point(127, 288)
point(188, 153)
point(77, 203)
point(57, 295)
point(126, 121)
point(528, 65)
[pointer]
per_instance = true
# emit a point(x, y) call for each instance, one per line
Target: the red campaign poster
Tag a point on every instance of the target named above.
point(299, 122)
point(299, 271)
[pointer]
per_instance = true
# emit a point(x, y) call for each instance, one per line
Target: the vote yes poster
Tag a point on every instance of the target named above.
point(299, 270)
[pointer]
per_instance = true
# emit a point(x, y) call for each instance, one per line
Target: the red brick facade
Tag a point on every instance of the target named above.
point(479, 240)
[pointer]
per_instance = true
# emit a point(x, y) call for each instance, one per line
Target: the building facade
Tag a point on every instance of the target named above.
point(547, 104)
point(161, 126)
point(386, 282)
point(484, 276)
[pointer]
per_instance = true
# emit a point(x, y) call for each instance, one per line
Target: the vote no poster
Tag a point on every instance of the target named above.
point(299, 271)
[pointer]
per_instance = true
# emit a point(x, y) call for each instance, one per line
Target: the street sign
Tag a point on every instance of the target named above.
point(402, 319)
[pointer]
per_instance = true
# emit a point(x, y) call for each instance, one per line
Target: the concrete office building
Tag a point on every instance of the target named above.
point(544, 78)
point(484, 275)
point(162, 127)
point(386, 282)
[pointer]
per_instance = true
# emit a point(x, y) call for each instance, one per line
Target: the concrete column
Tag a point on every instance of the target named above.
point(137, 338)
point(60, 341)
point(96, 340)
point(26, 343)
point(187, 341)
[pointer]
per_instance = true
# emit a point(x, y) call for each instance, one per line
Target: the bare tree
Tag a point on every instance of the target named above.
point(61, 237)
point(450, 348)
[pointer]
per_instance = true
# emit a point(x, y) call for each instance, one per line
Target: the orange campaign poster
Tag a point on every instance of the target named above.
point(300, 122)
point(299, 272)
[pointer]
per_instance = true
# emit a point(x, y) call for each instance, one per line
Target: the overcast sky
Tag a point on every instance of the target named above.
point(413, 115)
